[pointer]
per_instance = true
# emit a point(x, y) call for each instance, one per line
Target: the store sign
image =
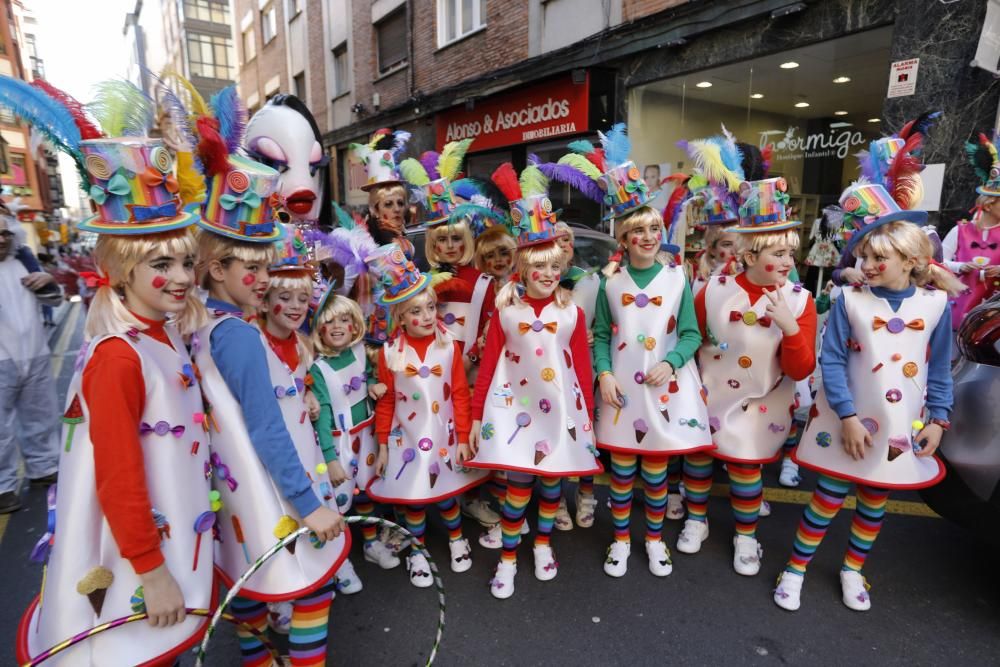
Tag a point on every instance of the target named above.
point(903, 77)
point(537, 113)
point(790, 145)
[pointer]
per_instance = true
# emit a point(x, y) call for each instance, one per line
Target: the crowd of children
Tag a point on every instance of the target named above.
point(232, 391)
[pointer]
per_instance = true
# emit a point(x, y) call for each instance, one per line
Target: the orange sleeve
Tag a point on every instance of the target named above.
point(115, 392)
point(798, 352)
point(699, 310)
point(460, 397)
point(386, 406)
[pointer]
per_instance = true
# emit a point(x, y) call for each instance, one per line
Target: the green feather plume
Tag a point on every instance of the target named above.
point(122, 109)
point(413, 172)
point(533, 181)
point(582, 164)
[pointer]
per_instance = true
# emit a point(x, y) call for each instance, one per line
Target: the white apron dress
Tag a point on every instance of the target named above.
point(750, 400)
point(254, 514)
point(423, 443)
point(585, 296)
point(462, 319)
point(669, 419)
point(175, 451)
point(535, 419)
point(354, 440)
point(887, 376)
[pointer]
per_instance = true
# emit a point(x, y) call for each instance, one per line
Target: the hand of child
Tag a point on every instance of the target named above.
point(929, 440)
point(336, 473)
point(851, 276)
point(828, 287)
point(382, 460)
point(590, 338)
point(164, 600)
point(325, 522)
point(37, 280)
point(474, 436)
point(659, 374)
point(968, 267)
point(463, 453)
point(312, 405)
point(377, 391)
point(855, 437)
point(779, 312)
point(611, 391)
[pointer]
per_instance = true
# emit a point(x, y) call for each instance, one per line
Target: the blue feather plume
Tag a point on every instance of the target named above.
point(479, 218)
point(581, 146)
point(616, 144)
point(42, 112)
point(229, 110)
point(466, 188)
point(575, 178)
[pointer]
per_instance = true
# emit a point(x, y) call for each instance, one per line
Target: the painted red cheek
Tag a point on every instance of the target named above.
point(414, 322)
point(277, 309)
point(659, 236)
point(249, 279)
point(350, 328)
point(881, 268)
point(635, 241)
point(769, 267)
point(322, 330)
point(535, 275)
point(158, 282)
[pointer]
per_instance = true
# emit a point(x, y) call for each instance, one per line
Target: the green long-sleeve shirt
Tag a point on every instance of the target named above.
point(325, 424)
point(688, 334)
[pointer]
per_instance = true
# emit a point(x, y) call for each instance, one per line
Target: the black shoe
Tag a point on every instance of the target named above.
point(48, 480)
point(9, 502)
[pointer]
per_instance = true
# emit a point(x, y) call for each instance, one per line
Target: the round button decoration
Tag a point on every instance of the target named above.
point(435, 407)
point(896, 357)
point(650, 344)
point(641, 338)
point(539, 351)
point(895, 325)
point(425, 444)
point(894, 396)
point(639, 377)
point(525, 401)
point(870, 425)
point(545, 406)
point(641, 300)
point(416, 395)
point(214, 496)
point(537, 326)
point(749, 318)
point(161, 428)
point(370, 460)
point(548, 374)
point(824, 439)
point(745, 362)
point(449, 318)
point(910, 369)
point(321, 468)
point(424, 372)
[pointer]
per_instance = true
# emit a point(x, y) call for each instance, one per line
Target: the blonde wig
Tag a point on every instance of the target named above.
point(394, 350)
point(494, 238)
point(215, 247)
point(116, 258)
point(911, 242)
point(754, 244)
point(510, 294)
point(337, 306)
point(438, 231)
point(643, 215)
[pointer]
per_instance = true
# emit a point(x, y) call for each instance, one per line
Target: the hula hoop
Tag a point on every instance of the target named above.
point(369, 520)
point(118, 622)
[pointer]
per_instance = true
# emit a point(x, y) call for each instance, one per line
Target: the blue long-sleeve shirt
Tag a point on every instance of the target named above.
point(833, 358)
point(242, 361)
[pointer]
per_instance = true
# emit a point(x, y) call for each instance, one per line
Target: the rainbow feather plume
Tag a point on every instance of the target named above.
point(232, 114)
point(707, 157)
point(122, 109)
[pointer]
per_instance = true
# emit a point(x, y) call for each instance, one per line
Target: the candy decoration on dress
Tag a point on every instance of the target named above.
point(95, 586)
point(523, 419)
point(408, 455)
point(285, 527)
point(238, 529)
point(72, 416)
point(204, 522)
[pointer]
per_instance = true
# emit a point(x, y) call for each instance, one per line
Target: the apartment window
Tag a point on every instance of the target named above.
point(208, 56)
point(458, 18)
point(207, 10)
point(292, 7)
point(269, 24)
point(249, 44)
point(340, 74)
point(299, 85)
point(391, 35)
point(7, 117)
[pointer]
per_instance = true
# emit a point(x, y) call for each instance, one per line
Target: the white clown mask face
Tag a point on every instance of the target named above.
point(282, 138)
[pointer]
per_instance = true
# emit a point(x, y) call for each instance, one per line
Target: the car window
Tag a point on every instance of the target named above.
point(592, 252)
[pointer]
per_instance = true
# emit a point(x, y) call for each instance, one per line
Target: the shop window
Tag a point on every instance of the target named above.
point(391, 35)
point(249, 44)
point(211, 11)
point(340, 70)
point(208, 56)
point(268, 24)
point(458, 18)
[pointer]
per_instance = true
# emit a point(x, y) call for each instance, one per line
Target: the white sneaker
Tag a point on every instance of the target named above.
point(562, 521)
point(765, 508)
point(393, 540)
point(789, 473)
point(348, 581)
point(492, 538)
point(675, 507)
point(616, 563)
point(502, 584)
point(420, 570)
point(585, 508)
point(461, 555)
point(692, 535)
point(788, 592)
point(855, 590)
point(279, 616)
point(747, 555)
point(378, 553)
point(481, 511)
point(546, 567)
point(659, 558)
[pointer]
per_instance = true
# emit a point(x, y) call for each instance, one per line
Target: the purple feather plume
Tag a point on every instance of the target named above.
point(429, 159)
point(574, 177)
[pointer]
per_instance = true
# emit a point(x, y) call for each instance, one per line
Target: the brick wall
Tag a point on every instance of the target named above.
point(317, 57)
point(270, 58)
point(636, 9)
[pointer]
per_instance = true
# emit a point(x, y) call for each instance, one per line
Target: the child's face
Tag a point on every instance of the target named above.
point(338, 332)
point(542, 278)
point(449, 245)
point(160, 284)
point(498, 262)
point(771, 265)
point(566, 243)
point(287, 307)
point(723, 248)
point(888, 270)
point(643, 242)
point(245, 282)
point(420, 318)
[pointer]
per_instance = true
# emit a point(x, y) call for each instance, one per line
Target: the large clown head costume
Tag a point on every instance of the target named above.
point(284, 135)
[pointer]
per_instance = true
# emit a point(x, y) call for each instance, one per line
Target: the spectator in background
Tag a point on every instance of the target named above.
point(29, 411)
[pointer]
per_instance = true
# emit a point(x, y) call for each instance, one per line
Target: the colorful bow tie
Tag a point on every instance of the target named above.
point(222, 471)
point(138, 213)
point(153, 177)
point(983, 246)
point(451, 318)
point(189, 375)
point(118, 185)
point(896, 324)
point(423, 371)
point(641, 300)
point(249, 198)
point(161, 428)
point(749, 318)
point(356, 382)
point(537, 326)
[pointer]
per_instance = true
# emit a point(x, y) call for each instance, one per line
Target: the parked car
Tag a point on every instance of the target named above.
point(969, 495)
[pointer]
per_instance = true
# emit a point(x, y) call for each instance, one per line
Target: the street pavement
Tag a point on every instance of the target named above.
point(935, 593)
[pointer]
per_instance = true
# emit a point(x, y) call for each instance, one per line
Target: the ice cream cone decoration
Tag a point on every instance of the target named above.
point(542, 449)
point(95, 586)
point(286, 526)
point(641, 428)
point(433, 470)
point(571, 427)
point(443, 453)
point(897, 445)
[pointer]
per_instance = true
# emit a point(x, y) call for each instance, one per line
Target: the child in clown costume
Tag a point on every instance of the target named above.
point(132, 501)
point(532, 405)
point(887, 388)
point(760, 331)
point(421, 421)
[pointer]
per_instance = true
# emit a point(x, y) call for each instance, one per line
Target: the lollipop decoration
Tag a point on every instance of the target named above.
point(623, 401)
point(408, 455)
point(523, 419)
point(202, 524)
point(238, 529)
point(911, 370)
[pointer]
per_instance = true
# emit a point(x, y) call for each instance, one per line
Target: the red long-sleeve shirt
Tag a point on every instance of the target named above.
point(287, 349)
point(386, 406)
point(496, 340)
point(115, 392)
point(797, 354)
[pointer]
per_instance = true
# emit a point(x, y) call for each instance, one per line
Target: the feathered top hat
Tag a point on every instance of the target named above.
point(763, 207)
point(895, 161)
point(532, 219)
point(620, 180)
point(718, 174)
point(432, 177)
point(868, 206)
point(292, 253)
point(380, 157)
point(984, 159)
point(399, 278)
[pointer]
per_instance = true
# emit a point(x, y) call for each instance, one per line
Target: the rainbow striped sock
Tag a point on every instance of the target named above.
point(308, 633)
point(363, 506)
point(746, 490)
point(794, 433)
point(826, 501)
point(623, 469)
point(514, 507)
point(697, 485)
point(674, 466)
point(497, 487)
point(654, 481)
point(586, 486)
point(415, 517)
point(254, 614)
point(452, 516)
point(548, 504)
point(865, 525)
